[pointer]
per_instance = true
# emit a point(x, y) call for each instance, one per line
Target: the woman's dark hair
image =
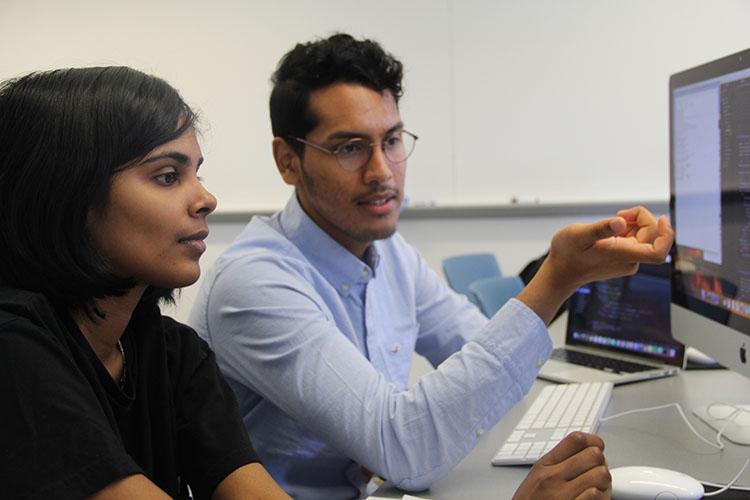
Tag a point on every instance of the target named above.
point(314, 65)
point(63, 134)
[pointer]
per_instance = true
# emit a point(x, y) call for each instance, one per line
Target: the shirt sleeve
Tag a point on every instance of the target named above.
point(211, 438)
point(277, 338)
point(447, 320)
point(56, 440)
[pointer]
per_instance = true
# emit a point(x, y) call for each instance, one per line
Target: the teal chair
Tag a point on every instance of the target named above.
point(461, 270)
point(491, 293)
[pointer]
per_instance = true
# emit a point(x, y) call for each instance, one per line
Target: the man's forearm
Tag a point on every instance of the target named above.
point(544, 294)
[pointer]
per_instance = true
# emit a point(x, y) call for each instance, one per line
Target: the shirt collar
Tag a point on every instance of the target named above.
point(337, 264)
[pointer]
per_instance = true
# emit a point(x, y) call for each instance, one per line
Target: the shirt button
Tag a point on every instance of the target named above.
point(539, 362)
point(344, 287)
point(395, 349)
point(479, 432)
point(365, 272)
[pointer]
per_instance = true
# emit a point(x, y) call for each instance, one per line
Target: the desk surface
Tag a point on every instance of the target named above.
point(658, 438)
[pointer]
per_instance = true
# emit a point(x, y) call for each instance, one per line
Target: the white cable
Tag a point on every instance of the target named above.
point(729, 418)
point(720, 445)
point(716, 485)
point(731, 483)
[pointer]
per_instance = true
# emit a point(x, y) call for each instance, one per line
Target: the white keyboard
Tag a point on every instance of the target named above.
point(556, 412)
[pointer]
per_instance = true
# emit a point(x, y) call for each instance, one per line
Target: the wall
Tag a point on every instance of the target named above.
point(543, 101)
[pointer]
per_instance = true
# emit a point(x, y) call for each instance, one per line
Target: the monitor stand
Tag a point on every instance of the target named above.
point(718, 416)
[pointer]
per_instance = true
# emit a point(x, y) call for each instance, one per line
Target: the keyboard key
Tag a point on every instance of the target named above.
point(515, 437)
point(509, 447)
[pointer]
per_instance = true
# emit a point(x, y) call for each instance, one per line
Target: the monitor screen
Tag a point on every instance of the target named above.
point(710, 208)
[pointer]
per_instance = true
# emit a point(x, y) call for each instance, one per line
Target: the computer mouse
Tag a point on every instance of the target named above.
point(638, 482)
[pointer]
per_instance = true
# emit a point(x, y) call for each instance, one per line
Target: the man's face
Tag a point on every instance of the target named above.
point(359, 207)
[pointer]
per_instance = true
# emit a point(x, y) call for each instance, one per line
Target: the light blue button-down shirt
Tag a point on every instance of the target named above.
point(317, 345)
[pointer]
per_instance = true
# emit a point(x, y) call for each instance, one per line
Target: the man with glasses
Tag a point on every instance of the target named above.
point(315, 313)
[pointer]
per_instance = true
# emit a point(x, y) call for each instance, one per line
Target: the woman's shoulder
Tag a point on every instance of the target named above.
point(24, 307)
point(34, 334)
point(183, 345)
point(188, 358)
point(179, 333)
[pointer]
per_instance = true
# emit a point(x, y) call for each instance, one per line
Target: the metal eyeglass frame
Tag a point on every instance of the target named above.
point(370, 146)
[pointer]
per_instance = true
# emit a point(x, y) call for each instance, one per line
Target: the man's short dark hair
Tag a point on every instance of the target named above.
point(63, 134)
point(320, 63)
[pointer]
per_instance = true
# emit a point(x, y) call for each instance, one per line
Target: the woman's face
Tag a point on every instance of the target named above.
point(154, 223)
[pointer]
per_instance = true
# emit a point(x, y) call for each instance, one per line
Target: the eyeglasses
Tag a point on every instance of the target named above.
point(354, 154)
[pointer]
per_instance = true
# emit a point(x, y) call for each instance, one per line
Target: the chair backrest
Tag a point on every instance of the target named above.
point(491, 293)
point(462, 270)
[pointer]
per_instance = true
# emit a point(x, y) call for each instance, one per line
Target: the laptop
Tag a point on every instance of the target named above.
point(619, 331)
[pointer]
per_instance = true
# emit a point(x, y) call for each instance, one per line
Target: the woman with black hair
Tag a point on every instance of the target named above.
point(103, 214)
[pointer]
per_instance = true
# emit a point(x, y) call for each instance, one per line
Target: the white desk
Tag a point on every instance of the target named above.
point(658, 438)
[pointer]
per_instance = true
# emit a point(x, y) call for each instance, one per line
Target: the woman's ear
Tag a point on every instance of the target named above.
point(287, 161)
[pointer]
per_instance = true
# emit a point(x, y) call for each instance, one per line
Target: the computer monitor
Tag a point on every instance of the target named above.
point(710, 210)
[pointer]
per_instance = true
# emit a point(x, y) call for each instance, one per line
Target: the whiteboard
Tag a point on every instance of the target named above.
point(571, 100)
point(542, 101)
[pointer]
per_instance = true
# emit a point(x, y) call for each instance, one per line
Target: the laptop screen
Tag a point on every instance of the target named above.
point(629, 315)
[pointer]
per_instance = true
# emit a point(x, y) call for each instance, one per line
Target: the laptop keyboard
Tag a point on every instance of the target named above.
point(599, 362)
